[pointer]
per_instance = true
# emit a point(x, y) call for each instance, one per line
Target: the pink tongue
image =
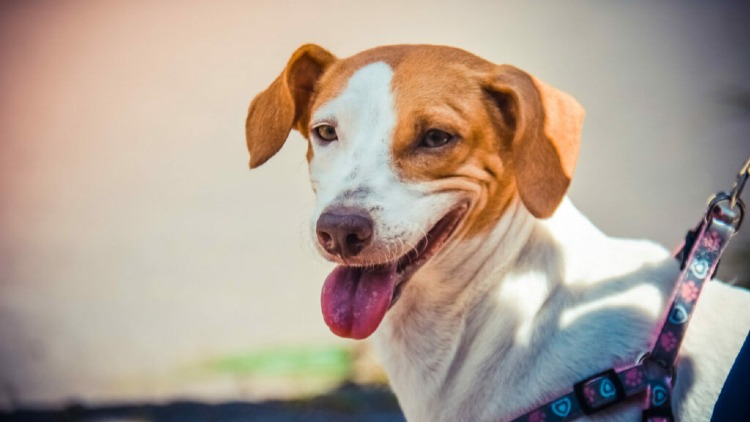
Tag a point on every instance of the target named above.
point(354, 301)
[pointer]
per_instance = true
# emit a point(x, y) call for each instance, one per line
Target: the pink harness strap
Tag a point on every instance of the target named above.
point(653, 375)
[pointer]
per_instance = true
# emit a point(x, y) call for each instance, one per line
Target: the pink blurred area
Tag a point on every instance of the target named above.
point(131, 228)
point(134, 241)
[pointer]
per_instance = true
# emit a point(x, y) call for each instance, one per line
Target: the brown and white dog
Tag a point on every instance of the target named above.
point(440, 181)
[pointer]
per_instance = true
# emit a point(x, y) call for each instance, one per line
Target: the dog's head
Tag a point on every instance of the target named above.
point(411, 148)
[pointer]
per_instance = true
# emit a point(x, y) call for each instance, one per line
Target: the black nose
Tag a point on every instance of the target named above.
point(344, 232)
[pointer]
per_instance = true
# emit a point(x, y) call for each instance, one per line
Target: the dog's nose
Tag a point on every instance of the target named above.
point(344, 232)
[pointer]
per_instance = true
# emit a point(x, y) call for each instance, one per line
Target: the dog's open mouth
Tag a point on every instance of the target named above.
point(354, 300)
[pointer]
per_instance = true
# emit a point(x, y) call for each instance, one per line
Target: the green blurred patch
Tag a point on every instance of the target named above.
point(287, 361)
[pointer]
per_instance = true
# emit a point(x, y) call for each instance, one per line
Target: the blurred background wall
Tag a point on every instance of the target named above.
point(135, 245)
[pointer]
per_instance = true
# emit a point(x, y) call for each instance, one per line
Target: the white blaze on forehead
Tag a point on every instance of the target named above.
point(364, 117)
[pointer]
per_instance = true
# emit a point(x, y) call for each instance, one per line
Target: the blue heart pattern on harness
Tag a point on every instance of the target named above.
point(658, 396)
point(678, 316)
point(700, 268)
point(607, 389)
point(561, 407)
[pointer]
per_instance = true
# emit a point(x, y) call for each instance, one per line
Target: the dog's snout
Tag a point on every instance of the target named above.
point(344, 232)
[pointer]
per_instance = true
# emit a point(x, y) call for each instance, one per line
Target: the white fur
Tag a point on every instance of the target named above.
point(501, 323)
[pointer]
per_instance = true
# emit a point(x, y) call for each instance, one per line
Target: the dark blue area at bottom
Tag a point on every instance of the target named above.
point(734, 400)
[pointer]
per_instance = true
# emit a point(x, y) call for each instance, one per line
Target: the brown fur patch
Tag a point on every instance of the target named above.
point(513, 132)
point(439, 88)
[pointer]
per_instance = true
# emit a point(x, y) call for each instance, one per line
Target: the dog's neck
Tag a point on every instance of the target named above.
point(507, 288)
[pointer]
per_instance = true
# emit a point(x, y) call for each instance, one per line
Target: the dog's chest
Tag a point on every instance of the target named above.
point(484, 378)
point(497, 357)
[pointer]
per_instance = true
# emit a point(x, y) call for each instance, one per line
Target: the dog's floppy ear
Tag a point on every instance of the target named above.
point(285, 104)
point(546, 125)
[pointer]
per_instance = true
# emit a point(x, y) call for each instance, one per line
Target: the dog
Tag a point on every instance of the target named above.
point(440, 181)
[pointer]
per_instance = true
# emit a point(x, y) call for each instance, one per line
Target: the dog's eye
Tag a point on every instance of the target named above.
point(435, 138)
point(326, 133)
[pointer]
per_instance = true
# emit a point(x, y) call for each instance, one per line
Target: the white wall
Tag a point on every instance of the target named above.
point(134, 241)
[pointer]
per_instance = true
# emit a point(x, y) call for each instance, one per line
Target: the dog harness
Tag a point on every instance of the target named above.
point(653, 375)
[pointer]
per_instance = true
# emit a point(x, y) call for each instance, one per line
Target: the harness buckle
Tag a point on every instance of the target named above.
point(599, 391)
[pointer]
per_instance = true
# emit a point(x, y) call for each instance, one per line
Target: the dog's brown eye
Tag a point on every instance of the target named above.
point(326, 133)
point(435, 138)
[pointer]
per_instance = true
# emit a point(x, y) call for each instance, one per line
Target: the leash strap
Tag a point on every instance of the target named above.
point(699, 257)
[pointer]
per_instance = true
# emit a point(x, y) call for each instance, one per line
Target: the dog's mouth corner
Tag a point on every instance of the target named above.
point(428, 247)
point(355, 299)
